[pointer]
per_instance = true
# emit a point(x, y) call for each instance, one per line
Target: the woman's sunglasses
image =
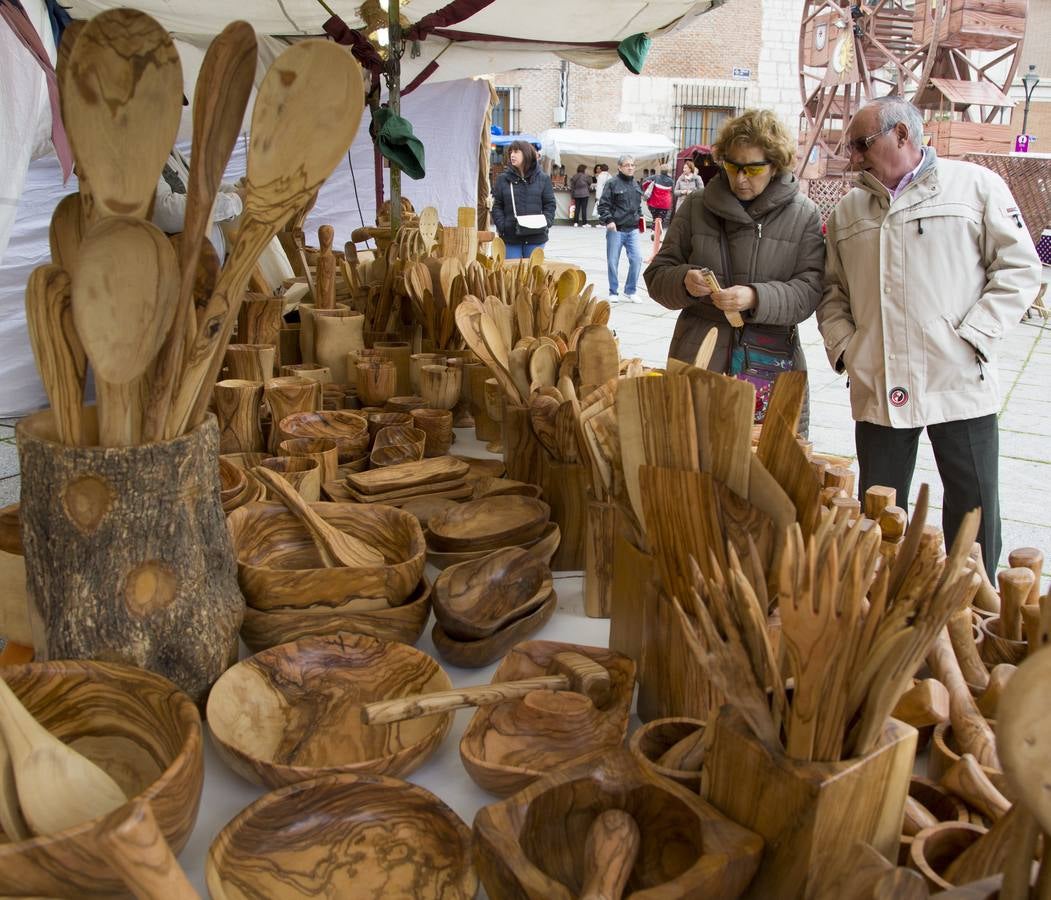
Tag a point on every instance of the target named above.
point(751, 170)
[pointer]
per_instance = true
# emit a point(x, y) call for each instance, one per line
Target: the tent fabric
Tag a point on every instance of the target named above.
point(571, 147)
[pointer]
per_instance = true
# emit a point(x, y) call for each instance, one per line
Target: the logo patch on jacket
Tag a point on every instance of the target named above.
point(898, 396)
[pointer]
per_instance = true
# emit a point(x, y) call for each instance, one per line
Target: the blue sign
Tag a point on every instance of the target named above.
point(741, 73)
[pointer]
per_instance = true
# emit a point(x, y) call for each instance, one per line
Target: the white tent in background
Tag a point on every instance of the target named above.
point(571, 147)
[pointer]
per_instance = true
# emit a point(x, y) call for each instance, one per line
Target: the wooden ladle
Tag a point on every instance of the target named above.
point(335, 547)
point(124, 298)
point(57, 787)
point(610, 850)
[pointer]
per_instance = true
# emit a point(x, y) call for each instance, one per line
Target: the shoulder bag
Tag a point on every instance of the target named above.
point(527, 226)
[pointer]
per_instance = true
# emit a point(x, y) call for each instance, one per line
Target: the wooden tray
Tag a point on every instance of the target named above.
point(392, 478)
point(543, 548)
point(489, 523)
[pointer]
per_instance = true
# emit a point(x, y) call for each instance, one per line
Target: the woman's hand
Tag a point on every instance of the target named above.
point(695, 284)
point(738, 298)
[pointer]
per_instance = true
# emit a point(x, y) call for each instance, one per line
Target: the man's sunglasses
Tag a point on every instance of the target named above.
point(751, 170)
point(861, 145)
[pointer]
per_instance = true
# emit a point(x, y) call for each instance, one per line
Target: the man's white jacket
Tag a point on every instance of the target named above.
point(920, 290)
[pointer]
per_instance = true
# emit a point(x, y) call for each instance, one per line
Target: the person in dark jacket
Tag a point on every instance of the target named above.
point(580, 191)
point(619, 210)
point(523, 189)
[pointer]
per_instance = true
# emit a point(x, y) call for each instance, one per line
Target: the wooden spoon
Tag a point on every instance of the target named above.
point(610, 850)
point(123, 303)
point(219, 101)
point(11, 820)
point(124, 109)
point(136, 848)
point(428, 225)
point(65, 232)
point(335, 547)
point(57, 348)
point(307, 111)
point(57, 787)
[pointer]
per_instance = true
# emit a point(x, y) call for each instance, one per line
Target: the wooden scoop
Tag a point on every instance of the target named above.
point(136, 848)
point(124, 299)
point(610, 850)
point(571, 672)
point(335, 547)
point(57, 787)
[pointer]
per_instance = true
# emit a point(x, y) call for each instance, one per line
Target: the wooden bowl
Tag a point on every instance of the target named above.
point(231, 480)
point(476, 598)
point(395, 455)
point(136, 725)
point(509, 745)
point(542, 548)
point(396, 435)
point(934, 849)
point(655, 738)
point(532, 844)
point(380, 420)
point(489, 524)
point(475, 654)
point(365, 836)
point(279, 566)
point(945, 807)
point(425, 507)
point(348, 429)
point(404, 623)
point(437, 425)
point(292, 712)
point(404, 404)
point(487, 486)
point(479, 467)
point(997, 649)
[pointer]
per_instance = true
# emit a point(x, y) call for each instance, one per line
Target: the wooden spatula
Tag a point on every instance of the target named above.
point(335, 547)
point(428, 225)
point(598, 357)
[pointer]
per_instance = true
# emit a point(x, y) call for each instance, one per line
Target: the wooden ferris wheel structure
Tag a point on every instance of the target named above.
point(954, 59)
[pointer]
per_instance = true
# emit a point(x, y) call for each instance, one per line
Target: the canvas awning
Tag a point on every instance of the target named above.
point(571, 147)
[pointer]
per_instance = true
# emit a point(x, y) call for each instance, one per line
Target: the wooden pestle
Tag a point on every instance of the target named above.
point(1032, 559)
point(973, 734)
point(1031, 618)
point(917, 817)
point(140, 854)
point(990, 698)
point(925, 703)
point(686, 754)
point(987, 598)
point(967, 781)
point(569, 671)
point(610, 850)
point(986, 855)
point(878, 498)
point(961, 633)
point(1015, 585)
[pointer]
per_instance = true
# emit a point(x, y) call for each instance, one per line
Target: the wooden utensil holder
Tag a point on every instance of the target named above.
point(237, 404)
point(598, 559)
point(127, 554)
point(524, 455)
point(259, 320)
point(288, 352)
point(397, 352)
point(565, 490)
point(337, 332)
point(811, 814)
point(250, 362)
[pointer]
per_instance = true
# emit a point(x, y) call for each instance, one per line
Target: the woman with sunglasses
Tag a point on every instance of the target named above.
point(760, 237)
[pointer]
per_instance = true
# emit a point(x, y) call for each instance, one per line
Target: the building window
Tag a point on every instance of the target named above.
point(701, 124)
point(701, 109)
point(506, 111)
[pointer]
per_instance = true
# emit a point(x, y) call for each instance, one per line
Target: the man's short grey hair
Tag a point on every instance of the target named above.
point(625, 158)
point(894, 109)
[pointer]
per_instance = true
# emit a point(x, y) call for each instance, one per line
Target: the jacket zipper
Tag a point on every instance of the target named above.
point(755, 250)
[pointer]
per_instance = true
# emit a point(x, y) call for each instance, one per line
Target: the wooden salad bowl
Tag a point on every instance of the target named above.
point(490, 523)
point(487, 650)
point(236, 491)
point(476, 598)
point(232, 479)
point(348, 429)
point(279, 566)
point(543, 548)
point(405, 623)
point(509, 745)
point(138, 727)
point(532, 845)
point(488, 486)
point(292, 712)
point(655, 738)
point(365, 836)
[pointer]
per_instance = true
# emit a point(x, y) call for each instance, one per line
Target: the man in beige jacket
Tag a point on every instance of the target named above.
point(928, 265)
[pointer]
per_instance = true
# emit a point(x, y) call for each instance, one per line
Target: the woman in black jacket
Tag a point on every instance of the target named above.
point(522, 189)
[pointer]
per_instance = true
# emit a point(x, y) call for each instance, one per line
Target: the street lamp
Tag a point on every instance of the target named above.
point(1029, 82)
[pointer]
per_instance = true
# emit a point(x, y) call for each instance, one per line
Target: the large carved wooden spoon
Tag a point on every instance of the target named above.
point(335, 547)
point(57, 787)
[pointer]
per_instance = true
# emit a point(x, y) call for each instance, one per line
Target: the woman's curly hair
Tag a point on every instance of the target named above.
point(762, 128)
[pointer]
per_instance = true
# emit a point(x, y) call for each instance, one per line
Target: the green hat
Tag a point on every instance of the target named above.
point(632, 52)
point(396, 141)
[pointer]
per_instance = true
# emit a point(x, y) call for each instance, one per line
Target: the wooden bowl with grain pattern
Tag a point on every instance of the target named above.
point(542, 548)
point(293, 712)
point(489, 524)
point(348, 429)
point(279, 566)
point(485, 651)
point(138, 727)
point(365, 836)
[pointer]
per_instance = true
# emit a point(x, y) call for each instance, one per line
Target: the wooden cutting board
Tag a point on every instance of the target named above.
point(787, 462)
point(406, 475)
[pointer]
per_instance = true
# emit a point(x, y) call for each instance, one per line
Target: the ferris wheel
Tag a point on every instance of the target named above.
point(954, 59)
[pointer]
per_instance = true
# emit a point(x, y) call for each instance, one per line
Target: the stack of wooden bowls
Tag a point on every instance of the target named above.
point(476, 528)
point(485, 606)
point(442, 477)
point(290, 593)
point(397, 444)
point(348, 429)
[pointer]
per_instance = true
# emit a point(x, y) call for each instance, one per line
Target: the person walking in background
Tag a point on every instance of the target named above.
point(928, 267)
point(580, 191)
point(658, 192)
point(688, 182)
point(523, 189)
point(601, 177)
point(619, 210)
point(760, 236)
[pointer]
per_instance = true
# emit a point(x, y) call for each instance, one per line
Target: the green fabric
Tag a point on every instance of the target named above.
point(633, 51)
point(397, 143)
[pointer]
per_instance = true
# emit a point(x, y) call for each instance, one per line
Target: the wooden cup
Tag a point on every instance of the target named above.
point(259, 319)
point(288, 395)
point(237, 405)
point(485, 429)
point(405, 404)
point(302, 472)
point(494, 408)
point(462, 409)
point(382, 419)
point(377, 380)
point(322, 449)
point(250, 362)
point(321, 374)
point(416, 362)
point(440, 386)
point(336, 333)
point(437, 425)
point(398, 352)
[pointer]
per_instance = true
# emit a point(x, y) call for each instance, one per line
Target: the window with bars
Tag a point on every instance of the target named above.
point(701, 124)
point(701, 110)
point(506, 111)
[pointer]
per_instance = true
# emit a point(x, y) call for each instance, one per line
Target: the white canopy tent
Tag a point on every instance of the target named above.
point(571, 147)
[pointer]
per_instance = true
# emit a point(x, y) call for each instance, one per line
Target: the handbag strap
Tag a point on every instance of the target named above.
point(724, 251)
point(514, 208)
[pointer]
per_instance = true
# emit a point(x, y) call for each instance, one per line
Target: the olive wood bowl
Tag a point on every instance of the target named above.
point(945, 753)
point(653, 739)
point(488, 486)
point(945, 807)
point(395, 455)
point(474, 599)
point(427, 472)
point(292, 712)
point(482, 652)
point(377, 421)
point(934, 849)
point(404, 623)
point(425, 507)
point(488, 524)
point(542, 548)
point(232, 479)
point(138, 727)
point(279, 566)
point(509, 745)
point(348, 429)
point(532, 844)
point(365, 836)
point(480, 466)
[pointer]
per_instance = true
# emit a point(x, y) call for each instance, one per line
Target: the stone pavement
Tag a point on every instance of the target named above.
point(645, 330)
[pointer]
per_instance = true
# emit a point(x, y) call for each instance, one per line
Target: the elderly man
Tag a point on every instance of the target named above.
point(619, 209)
point(928, 266)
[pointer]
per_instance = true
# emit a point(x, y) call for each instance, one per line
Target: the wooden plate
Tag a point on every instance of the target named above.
point(475, 654)
point(489, 523)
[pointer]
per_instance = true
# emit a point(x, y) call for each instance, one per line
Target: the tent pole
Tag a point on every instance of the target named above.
point(394, 51)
